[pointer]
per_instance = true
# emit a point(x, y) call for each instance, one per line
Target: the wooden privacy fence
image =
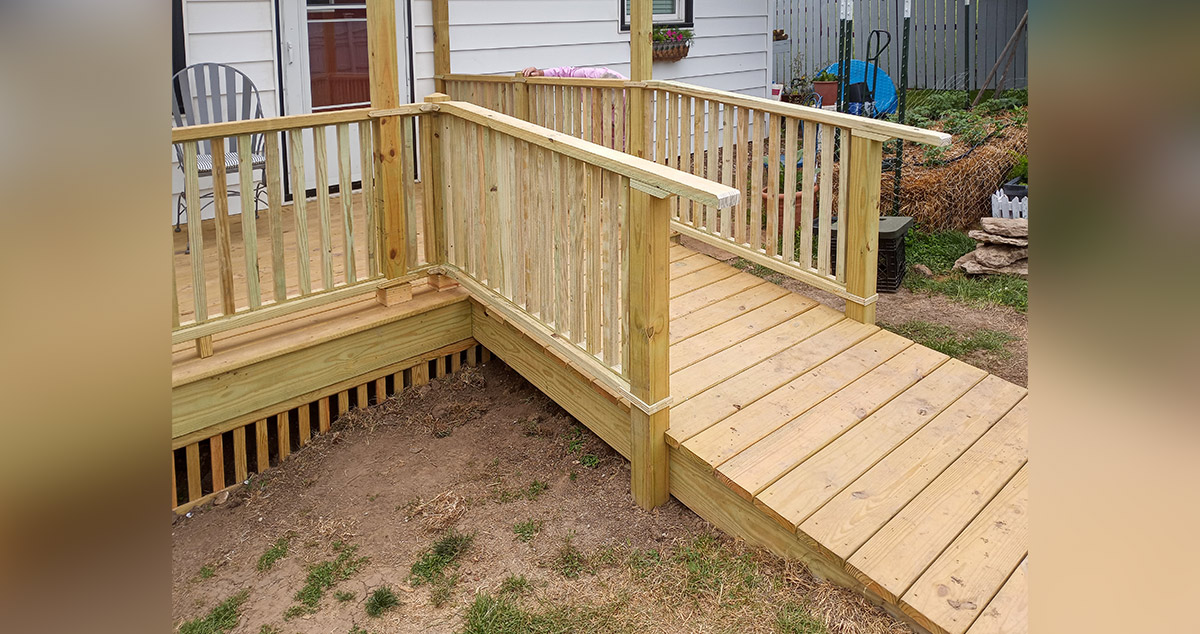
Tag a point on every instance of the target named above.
point(311, 252)
point(953, 43)
point(743, 142)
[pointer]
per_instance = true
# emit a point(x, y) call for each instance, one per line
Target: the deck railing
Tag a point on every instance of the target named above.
point(318, 250)
point(754, 145)
point(538, 223)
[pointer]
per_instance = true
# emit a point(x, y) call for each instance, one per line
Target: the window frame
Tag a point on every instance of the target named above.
point(684, 16)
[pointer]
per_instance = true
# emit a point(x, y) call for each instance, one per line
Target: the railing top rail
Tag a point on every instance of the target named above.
point(860, 124)
point(657, 177)
point(276, 124)
point(519, 79)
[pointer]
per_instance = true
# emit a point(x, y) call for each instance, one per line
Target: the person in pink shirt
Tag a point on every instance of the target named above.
point(574, 71)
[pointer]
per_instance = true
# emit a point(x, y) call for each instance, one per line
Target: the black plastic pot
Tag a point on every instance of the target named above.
point(1013, 189)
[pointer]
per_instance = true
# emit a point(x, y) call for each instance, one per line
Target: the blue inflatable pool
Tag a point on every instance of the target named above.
point(885, 89)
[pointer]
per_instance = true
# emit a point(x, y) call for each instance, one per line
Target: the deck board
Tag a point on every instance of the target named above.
point(900, 470)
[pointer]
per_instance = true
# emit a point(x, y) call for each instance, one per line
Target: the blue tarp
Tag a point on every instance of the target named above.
point(885, 89)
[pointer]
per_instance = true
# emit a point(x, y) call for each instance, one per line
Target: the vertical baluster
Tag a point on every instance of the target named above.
point(521, 224)
point(597, 116)
point(808, 194)
point(789, 190)
point(408, 176)
point(606, 118)
point(345, 195)
point(757, 184)
point(299, 206)
point(660, 122)
point(670, 145)
point(545, 261)
point(262, 446)
point(529, 217)
point(249, 222)
point(826, 197)
point(193, 471)
point(283, 435)
point(622, 135)
point(579, 251)
point(560, 221)
point(843, 202)
point(448, 128)
point(698, 211)
point(275, 216)
point(622, 295)
point(504, 219)
point(320, 155)
point(516, 278)
point(714, 129)
point(727, 172)
point(216, 458)
point(560, 107)
point(741, 175)
point(191, 192)
point(774, 210)
point(610, 232)
point(224, 240)
point(490, 206)
point(240, 468)
point(479, 238)
point(595, 211)
point(174, 294)
point(367, 194)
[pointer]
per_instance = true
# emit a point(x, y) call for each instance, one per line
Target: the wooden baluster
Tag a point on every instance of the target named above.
point(843, 201)
point(727, 173)
point(504, 213)
point(305, 425)
point(545, 250)
point(594, 213)
point(224, 240)
point(754, 196)
point(698, 212)
point(262, 446)
point(610, 234)
point(408, 178)
point(789, 189)
point(367, 194)
point(560, 106)
point(240, 469)
point(191, 189)
point(521, 224)
point(193, 471)
point(174, 294)
point(275, 216)
point(479, 238)
point(561, 260)
point(660, 122)
point(621, 138)
point(597, 116)
point(649, 381)
point(826, 196)
point(320, 156)
point(216, 457)
point(741, 156)
point(299, 206)
point(861, 225)
point(521, 98)
point(579, 251)
point(345, 195)
point(490, 204)
point(283, 434)
point(808, 194)
point(606, 118)
point(622, 294)
point(714, 130)
point(772, 212)
point(249, 221)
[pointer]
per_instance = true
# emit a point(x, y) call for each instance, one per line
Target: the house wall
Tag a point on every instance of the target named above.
point(730, 52)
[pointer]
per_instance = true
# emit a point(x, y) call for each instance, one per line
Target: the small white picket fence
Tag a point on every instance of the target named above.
point(1005, 207)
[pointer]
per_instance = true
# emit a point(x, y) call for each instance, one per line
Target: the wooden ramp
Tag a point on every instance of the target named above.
point(897, 470)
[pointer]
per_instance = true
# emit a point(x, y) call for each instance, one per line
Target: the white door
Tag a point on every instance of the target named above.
point(323, 44)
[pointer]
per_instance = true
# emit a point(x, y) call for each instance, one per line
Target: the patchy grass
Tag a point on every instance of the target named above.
point(220, 619)
point(792, 618)
point(354, 629)
point(527, 530)
point(324, 576)
point(269, 629)
point(380, 601)
point(503, 615)
point(206, 572)
point(569, 562)
point(531, 492)
point(515, 584)
point(431, 568)
point(590, 461)
point(344, 596)
point(944, 339)
point(938, 250)
point(710, 568)
point(274, 553)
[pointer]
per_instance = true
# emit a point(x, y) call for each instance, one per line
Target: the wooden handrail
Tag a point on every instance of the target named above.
point(639, 170)
point(862, 126)
point(272, 124)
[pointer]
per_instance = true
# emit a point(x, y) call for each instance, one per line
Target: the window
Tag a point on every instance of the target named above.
point(337, 54)
point(666, 12)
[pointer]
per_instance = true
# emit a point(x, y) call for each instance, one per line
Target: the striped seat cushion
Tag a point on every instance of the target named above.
point(204, 162)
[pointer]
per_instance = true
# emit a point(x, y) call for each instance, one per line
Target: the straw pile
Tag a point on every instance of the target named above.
point(955, 195)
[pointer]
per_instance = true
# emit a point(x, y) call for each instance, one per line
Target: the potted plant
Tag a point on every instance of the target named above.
point(826, 85)
point(671, 43)
point(1018, 179)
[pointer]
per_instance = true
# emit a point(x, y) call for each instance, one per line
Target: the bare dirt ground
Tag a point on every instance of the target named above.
point(478, 453)
point(905, 306)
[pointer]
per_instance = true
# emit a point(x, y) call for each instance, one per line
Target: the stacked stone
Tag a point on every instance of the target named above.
point(1002, 247)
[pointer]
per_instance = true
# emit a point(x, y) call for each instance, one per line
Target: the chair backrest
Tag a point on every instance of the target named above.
point(213, 93)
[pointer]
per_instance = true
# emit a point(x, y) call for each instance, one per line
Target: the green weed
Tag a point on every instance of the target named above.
point(380, 601)
point(206, 572)
point(324, 576)
point(709, 567)
point(792, 618)
point(444, 552)
point(590, 461)
point(502, 615)
point(343, 596)
point(527, 530)
point(569, 561)
point(515, 584)
point(220, 619)
point(944, 339)
point(274, 553)
point(531, 492)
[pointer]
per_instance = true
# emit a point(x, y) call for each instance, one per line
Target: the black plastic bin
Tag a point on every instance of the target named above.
point(892, 263)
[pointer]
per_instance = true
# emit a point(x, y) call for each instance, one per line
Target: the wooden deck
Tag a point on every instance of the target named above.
point(898, 466)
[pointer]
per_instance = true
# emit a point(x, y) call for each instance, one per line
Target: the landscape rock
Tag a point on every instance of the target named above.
point(922, 270)
point(984, 237)
point(1010, 227)
point(221, 498)
point(999, 256)
point(968, 264)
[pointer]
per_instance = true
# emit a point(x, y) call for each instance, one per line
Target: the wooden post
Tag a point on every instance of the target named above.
point(385, 93)
point(441, 43)
point(649, 368)
point(641, 60)
point(435, 203)
point(861, 224)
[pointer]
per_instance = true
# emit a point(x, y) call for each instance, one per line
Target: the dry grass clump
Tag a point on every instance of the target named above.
point(955, 195)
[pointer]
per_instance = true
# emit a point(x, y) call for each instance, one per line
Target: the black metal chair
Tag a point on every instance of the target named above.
point(215, 93)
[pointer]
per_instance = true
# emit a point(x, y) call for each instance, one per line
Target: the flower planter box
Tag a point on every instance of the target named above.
point(670, 51)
